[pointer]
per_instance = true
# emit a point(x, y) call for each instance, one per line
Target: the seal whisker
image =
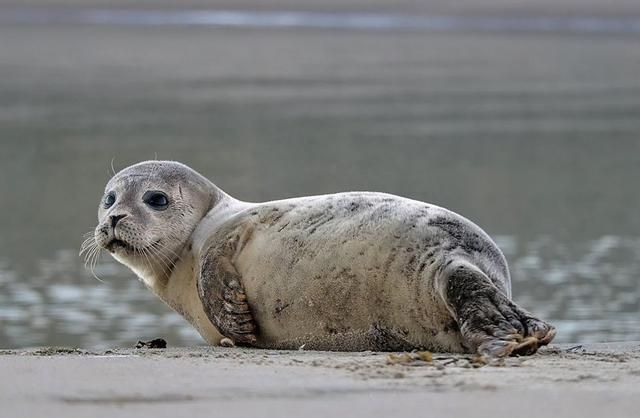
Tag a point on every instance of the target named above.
point(90, 255)
point(89, 240)
point(149, 255)
point(113, 170)
point(161, 248)
point(86, 247)
point(155, 254)
point(147, 261)
point(165, 261)
point(94, 263)
point(89, 252)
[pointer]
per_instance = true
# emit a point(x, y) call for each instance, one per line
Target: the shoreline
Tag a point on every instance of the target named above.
point(562, 380)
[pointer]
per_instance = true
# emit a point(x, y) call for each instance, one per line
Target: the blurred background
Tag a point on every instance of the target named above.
point(524, 116)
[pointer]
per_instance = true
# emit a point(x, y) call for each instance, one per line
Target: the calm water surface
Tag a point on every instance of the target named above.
point(535, 137)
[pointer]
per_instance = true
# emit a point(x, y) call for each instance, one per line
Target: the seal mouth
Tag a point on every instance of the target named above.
point(117, 244)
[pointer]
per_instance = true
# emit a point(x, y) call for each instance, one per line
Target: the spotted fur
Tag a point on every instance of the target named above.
point(347, 271)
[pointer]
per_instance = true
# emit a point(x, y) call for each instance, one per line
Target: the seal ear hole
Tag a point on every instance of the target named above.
point(109, 200)
point(156, 199)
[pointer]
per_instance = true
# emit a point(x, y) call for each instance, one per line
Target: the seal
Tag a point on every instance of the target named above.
point(347, 271)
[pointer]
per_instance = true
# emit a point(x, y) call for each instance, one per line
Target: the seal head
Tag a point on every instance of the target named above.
point(149, 211)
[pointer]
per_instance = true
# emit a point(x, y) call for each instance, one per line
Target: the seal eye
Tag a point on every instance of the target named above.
point(109, 200)
point(156, 200)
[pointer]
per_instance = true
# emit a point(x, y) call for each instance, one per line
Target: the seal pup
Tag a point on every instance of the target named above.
point(347, 271)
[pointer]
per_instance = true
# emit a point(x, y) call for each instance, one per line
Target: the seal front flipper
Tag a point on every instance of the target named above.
point(223, 296)
point(490, 323)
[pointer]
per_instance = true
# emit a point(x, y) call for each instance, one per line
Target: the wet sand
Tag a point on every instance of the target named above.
point(561, 381)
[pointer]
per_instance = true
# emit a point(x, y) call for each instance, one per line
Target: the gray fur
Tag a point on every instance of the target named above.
point(348, 271)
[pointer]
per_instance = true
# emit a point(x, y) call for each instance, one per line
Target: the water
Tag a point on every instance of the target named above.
point(533, 136)
point(327, 20)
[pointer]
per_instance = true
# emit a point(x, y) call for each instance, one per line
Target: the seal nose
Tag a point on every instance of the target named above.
point(115, 219)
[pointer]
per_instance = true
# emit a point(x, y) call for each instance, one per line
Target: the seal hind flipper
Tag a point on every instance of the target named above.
point(490, 323)
point(223, 297)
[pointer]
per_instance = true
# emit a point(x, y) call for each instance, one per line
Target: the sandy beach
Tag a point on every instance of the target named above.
point(561, 381)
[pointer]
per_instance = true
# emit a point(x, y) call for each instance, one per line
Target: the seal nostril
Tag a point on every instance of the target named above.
point(115, 219)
